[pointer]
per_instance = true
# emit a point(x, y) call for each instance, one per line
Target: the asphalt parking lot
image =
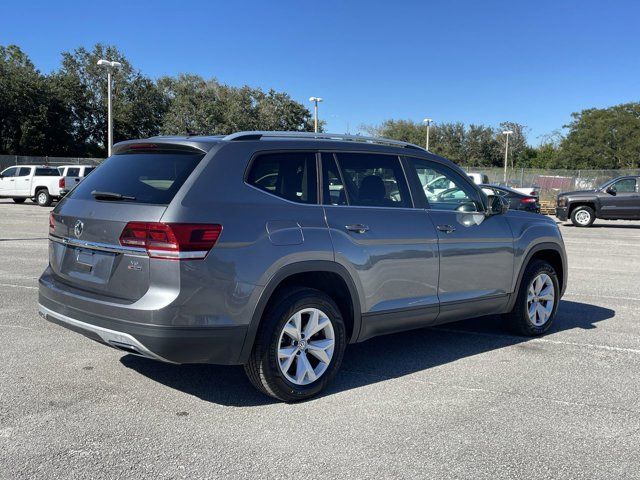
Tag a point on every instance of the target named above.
point(464, 400)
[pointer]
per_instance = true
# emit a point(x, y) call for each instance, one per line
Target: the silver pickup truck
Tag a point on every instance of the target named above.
point(72, 175)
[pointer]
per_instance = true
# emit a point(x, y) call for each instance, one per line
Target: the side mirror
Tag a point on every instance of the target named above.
point(612, 190)
point(497, 205)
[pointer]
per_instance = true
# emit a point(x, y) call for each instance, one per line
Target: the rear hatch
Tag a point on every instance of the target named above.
point(136, 185)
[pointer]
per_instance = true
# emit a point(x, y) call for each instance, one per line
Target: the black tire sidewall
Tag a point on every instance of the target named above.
point(274, 322)
point(589, 210)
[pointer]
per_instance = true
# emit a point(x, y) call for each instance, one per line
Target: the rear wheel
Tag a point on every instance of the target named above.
point(19, 200)
point(299, 346)
point(583, 216)
point(43, 198)
point(537, 300)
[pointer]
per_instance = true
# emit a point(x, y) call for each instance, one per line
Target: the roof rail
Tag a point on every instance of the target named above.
point(257, 135)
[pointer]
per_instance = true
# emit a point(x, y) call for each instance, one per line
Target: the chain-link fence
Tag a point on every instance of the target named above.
point(551, 182)
point(11, 160)
point(548, 182)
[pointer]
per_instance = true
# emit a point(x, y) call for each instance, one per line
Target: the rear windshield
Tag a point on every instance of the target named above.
point(47, 172)
point(146, 177)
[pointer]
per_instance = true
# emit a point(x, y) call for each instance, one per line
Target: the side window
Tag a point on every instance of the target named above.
point(373, 180)
point(627, 185)
point(73, 172)
point(444, 188)
point(24, 172)
point(289, 175)
point(88, 170)
point(334, 192)
point(10, 172)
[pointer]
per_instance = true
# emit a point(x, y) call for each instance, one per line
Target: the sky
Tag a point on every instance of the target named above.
point(531, 62)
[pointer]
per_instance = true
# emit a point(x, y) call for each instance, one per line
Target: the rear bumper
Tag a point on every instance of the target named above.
point(168, 343)
point(562, 213)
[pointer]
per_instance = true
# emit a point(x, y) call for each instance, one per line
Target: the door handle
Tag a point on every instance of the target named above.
point(358, 228)
point(446, 228)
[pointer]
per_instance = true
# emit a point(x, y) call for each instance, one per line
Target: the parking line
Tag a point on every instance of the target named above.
point(540, 340)
point(17, 286)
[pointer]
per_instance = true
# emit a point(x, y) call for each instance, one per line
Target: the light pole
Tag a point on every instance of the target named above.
point(315, 101)
point(110, 66)
point(427, 121)
point(506, 133)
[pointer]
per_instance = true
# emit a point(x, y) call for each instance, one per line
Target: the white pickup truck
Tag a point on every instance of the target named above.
point(40, 183)
point(72, 175)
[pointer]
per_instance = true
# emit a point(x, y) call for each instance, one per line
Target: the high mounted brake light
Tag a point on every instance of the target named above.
point(171, 241)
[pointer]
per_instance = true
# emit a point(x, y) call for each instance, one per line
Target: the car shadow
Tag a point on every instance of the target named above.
point(396, 355)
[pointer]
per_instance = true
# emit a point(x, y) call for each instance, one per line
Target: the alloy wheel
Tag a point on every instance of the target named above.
point(583, 217)
point(306, 346)
point(540, 299)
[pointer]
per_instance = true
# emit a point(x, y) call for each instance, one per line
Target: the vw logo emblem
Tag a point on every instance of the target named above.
point(78, 228)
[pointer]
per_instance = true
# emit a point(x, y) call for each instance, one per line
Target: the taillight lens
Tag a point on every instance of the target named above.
point(61, 183)
point(173, 241)
point(52, 224)
point(528, 200)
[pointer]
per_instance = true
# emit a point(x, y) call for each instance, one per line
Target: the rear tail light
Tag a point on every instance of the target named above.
point(173, 241)
point(52, 224)
point(61, 183)
point(528, 200)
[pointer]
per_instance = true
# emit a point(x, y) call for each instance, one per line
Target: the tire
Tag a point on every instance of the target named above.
point(519, 319)
point(43, 198)
point(19, 200)
point(583, 216)
point(264, 366)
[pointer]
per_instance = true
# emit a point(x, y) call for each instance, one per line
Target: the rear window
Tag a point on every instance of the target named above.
point(152, 177)
point(47, 172)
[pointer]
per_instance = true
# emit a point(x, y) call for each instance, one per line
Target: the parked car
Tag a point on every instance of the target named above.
point(515, 199)
point(275, 250)
point(40, 183)
point(479, 178)
point(617, 199)
point(72, 175)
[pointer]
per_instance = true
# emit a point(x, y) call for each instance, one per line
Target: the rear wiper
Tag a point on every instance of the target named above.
point(111, 196)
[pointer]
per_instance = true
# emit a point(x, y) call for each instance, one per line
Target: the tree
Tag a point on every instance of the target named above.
point(199, 106)
point(603, 138)
point(82, 85)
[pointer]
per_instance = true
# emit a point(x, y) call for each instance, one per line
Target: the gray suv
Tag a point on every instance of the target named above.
point(275, 250)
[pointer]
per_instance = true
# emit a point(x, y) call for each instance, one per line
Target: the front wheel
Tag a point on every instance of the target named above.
point(583, 216)
point(43, 198)
point(299, 346)
point(537, 300)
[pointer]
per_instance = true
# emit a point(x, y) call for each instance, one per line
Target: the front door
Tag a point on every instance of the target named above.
point(8, 181)
point(621, 200)
point(23, 182)
point(389, 247)
point(476, 251)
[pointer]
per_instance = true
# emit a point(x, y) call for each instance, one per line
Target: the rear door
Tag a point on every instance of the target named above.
point(85, 249)
point(476, 251)
point(389, 247)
